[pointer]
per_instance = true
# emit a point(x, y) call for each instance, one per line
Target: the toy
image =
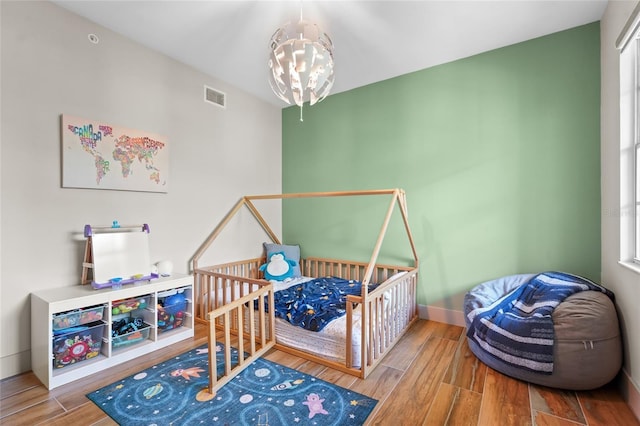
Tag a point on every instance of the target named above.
point(115, 256)
point(126, 325)
point(116, 283)
point(164, 318)
point(175, 303)
point(171, 311)
point(77, 317)
point(168, 321)
point(278, 268)
point(78, 344)
point(126, 306)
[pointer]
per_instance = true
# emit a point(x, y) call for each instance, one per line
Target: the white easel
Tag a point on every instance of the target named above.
point(116, 255)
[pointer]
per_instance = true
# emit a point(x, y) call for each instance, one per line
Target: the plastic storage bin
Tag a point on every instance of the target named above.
point(77, 344)
point(77, 317)
point(128, 327)
point(172, 308)
point(132, 338)
point(125, 306)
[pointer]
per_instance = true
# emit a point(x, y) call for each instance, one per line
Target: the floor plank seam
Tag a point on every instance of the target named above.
point(4, 396)
point(62, 415)
point(482, 400)
point(582, 410)
point(393, 367)
point(26, 407)
point(426, 416)
point(381, 402)
point(564, 419)
point(411, 361)
point(531, 411)
point(62, 406)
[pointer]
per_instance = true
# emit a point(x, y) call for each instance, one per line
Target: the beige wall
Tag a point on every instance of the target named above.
point(624, 282)
point(49, 68)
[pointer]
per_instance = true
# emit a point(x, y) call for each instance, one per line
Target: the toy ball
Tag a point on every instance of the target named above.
point(175, 303)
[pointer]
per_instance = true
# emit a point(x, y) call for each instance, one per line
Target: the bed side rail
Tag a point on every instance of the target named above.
point(388, 311)
point(237, 324)
point(220, 284)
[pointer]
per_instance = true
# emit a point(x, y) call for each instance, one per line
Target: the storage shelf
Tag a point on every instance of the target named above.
point(50, 303)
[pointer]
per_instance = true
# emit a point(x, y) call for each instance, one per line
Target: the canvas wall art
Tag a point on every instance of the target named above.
point(100, 155)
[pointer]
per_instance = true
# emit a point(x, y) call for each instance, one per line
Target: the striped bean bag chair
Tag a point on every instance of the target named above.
point(552, 329)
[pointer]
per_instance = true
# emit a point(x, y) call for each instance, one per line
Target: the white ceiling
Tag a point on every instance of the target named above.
point(373, 40)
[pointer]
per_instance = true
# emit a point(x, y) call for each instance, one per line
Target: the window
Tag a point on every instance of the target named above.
point(636, 159)
point(633, 123)
point(629, 45)
point(637, 180)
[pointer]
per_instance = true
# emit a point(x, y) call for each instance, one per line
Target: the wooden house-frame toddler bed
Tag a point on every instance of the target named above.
point(238, 303)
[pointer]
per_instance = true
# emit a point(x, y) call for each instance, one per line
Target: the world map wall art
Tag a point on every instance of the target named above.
point(99, 155)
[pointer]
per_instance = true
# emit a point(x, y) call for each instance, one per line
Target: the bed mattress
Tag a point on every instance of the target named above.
point(329, 343)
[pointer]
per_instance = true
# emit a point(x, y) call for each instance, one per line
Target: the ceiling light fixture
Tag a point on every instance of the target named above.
point(301, 63)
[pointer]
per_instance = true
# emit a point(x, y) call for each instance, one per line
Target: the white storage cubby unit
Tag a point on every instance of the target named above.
point(57, 308)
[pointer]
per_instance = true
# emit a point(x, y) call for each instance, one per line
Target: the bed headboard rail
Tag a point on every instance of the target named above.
point(350, 270)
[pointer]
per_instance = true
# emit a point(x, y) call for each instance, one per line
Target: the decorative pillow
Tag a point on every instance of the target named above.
point(291, 252)
point(278, 268)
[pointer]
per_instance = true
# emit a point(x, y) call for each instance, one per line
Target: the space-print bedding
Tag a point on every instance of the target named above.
point(330, 343)
point(315, 303)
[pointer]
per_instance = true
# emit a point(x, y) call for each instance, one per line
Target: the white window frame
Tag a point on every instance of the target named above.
point(629, 45)
point(636, 157)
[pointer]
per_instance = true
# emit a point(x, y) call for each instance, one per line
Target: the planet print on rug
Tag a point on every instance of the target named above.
point(174, 392)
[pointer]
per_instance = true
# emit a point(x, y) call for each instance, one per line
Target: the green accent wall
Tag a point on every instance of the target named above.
point(499, 155)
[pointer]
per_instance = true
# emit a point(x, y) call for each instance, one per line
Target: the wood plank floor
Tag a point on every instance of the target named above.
point(430, 378)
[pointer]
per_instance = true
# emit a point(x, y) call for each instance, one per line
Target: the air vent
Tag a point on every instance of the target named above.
point(215, 97)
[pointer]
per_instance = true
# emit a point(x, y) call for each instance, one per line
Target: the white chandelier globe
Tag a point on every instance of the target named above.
point(301, 63)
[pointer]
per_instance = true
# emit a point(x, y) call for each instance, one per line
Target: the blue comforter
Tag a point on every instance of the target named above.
point(518, 328)
point(313, 304)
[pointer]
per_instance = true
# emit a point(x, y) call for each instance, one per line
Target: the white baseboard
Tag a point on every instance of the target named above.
point(447, 316)
point(12, 365)
point(630, 393)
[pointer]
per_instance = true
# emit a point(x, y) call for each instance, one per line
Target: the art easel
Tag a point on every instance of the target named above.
point(116, 255)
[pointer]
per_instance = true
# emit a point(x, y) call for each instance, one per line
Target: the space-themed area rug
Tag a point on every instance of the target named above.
point(174, 392)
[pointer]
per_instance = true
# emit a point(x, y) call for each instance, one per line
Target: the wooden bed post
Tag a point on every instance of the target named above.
point(205, 246)
point(213, 365)
point(262, 222)
point(376, 248)
point(405, 218)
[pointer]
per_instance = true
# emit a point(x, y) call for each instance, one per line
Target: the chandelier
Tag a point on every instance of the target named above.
point(301, 63)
